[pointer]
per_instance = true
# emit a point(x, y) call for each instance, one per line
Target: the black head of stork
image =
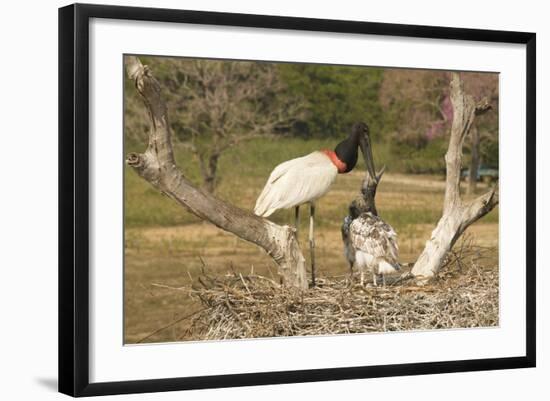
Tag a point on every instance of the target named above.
point(347, 150)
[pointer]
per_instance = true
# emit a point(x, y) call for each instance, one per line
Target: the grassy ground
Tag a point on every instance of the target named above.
point(166, 245)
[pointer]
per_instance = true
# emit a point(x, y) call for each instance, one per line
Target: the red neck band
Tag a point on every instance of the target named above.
point(340, 165)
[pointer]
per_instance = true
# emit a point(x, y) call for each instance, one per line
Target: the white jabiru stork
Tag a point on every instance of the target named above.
point(306, 179)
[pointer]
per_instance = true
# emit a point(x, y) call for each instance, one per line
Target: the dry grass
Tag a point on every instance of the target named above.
point(236, 306)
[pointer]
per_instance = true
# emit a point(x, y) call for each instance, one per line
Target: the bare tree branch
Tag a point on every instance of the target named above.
point(228, 103)
point(158, 166)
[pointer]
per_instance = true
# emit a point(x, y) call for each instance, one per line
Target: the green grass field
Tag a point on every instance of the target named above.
point(166, 245)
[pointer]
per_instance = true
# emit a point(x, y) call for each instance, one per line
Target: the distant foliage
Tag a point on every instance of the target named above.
point(481, 85)
point(418, 112)
point(215, 105)
point(415, 105)
point(335, 98)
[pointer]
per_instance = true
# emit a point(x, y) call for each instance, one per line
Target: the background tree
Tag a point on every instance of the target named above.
point(215, 105)
point(483, 144)
point(416, 104)
point(335, 97)
point(417, 115)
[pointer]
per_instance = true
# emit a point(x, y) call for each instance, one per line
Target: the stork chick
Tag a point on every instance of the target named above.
point(375, 244)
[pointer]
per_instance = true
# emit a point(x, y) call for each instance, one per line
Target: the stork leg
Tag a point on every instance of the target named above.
point(297, 220)
point(312, 242)
point(374, 281)
point(383, 280)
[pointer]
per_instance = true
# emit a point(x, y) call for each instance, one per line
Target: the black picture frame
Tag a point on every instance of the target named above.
point(74, 198)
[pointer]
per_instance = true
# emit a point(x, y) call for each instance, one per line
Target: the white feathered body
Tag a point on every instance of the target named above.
point(297, 181)
point(375, 245)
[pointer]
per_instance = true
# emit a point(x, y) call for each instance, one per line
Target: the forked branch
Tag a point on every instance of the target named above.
point(457, 214)
point(157, 165)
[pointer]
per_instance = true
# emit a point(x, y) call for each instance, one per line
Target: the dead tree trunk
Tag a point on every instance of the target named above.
point(457, 215)
point(157, 166)
point(474, 163)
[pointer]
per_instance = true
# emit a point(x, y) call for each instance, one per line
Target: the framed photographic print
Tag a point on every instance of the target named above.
point(250, 199)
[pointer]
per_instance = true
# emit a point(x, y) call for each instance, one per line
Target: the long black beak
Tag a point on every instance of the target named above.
point(366, 149)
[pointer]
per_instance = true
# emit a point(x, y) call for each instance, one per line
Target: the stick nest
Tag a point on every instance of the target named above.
point(239, 306)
